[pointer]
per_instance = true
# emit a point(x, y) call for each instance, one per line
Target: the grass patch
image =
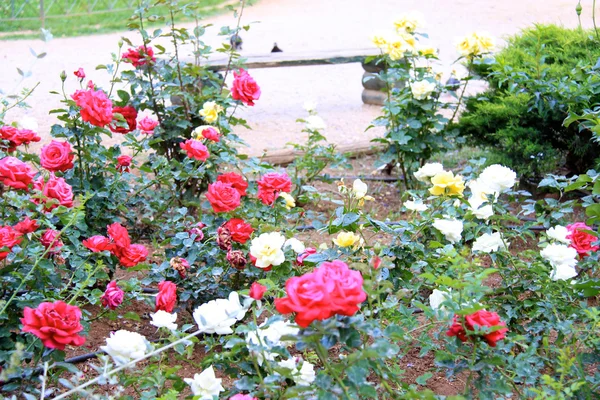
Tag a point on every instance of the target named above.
point(73, 20)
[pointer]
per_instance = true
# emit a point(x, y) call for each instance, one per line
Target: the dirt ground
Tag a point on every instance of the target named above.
point(309, 25)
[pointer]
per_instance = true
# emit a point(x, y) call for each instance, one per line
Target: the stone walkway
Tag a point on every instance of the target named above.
point(296, 26)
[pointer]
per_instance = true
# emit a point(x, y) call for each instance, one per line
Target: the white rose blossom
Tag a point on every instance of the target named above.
point(310, 106)
point(163, 319)
point(315, 123)
point(437, 297)
point(563, 260)
point(206, 384)
point(270, 337)
point(428, 170)
point(359, 189)
point(498, 178)
point(559, 233)
point(124, 346)
point(422, 89)
point(563, 272)
point(450, 228)
point(303, 376)
point(295, 244)
point(267, 249)
point(217, 316)
point(417, 205)
point(489, 243)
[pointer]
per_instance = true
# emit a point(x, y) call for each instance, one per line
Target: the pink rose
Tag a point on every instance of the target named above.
point(580, 240)
point(244, 88)
point(479, 319)
point(96, 107)
point(307, 252)
point(54, 189)
point(140, 56)
point(9, 237)
point(195, 149)
point(80, 73)
point(166, 297)
point(236, 180)
point(16, 137)
point(123, 163)
point(51, 240)
point(271, 184)
point(257, 291)
point(98, 243)
point(223, 197)
point(27, 226)
point(211, 133)
point(113, 296)
point(57, 156)
point(15, 173)
point(240, 396)
point(147, 125)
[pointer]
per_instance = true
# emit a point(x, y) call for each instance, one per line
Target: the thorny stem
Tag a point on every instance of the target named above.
point(237, 30)
point(112, 82)
point(21, 100)
point(185, 103)
point(149, 67)
point(322, 354)
point(462, 94)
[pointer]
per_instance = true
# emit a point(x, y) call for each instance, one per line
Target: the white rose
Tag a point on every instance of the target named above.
point(310, 106)
point(163, 319)
point(315, 123)
point(124, 346)
point(267, 248)
point(437, 297)
point(295, 244)
point(563, 272)
point(479, 195)
point(359, 188)
point(271, 337)
point(428, 170)
point(560, 255)
point(306, 375)
point(218, 315)
point(206, 384)
point(28, 123)
point(559, 233)
point(450, 228)
point(422, 89)
point(498, 178)
point(415, 205)
point(488, 243)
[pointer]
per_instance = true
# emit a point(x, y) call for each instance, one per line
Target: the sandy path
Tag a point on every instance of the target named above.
point(296, 26)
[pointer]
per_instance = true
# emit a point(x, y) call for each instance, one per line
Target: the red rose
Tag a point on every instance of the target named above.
point(240, 231)
point(195, 149)
point(96, 107)
point(376, 262)
point(57, 156)
point(139, 56)
point(57, 189)
point(27, 226)
point(15, 173)
point(56, 324)
point(17, 137)
point(130, 115)
point(166, 297)
point(51, 240)
point(244, 88)
point(307, 252)
point(123, 163)
point(119, 236)
point(271, 184)
point(98, 243)
point(257, 291)
point(480, 319)
point(348, 290)
point(147, 125)
point(80, 73)
point(223, 197)
point(113, 296)
point(236, 180)
point(133, 255)
point(211, 133)
point(9, 237)
point(580, 240)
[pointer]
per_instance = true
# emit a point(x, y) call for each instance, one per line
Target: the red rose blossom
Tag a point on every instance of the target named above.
point(17, 137)
point(236, 180)
point(98, 243)
point(331, 289)
point(480, 319)
point(166, 297)
point(80, 73)
point(129, 114)
point(271, 184)
point(223, 197)
point(123, 163)
point(96, 107)
point(376, 262)
point(56, 324)
point(15, 173)
point(57, 156)
point(113, 296)
point(133, 255)
point(54, 189)
point(9, 237)
point(257, 291)
point(119, 236)
point(195, 149)
point(139, 56)
point(51, 240)
point(244, 88)
point(147, 125)
point(580, 240)
point(27, 226)
point(240, 231)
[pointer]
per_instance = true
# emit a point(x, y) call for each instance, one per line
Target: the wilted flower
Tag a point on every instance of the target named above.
point(237, 259)
point(181, 265)
point(206, 384)
point(224, 238)
point(163, 319)
point(124, 346)
point(218, 315)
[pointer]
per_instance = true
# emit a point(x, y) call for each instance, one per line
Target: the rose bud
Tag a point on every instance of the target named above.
point(224, 238)
point(257, 291)
point(237, 259)
point(181, 265)
point(113, 296)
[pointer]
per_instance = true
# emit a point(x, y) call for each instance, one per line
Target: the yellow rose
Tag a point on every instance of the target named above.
point(210, 111)
point(408, 23)
point(346, 239)
point(428, 51)
point(475, 44)
point(446, 183)
point(289, 200)
point(399, 46)
point(379, 41)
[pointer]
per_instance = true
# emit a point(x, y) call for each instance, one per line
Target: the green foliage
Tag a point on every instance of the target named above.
point(544, 73)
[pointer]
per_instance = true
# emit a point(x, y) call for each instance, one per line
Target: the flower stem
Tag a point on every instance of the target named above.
point(322, 354)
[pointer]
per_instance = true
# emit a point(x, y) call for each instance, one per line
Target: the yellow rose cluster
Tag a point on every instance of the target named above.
point(475, 44)
point(210, 111)
point(445, 183)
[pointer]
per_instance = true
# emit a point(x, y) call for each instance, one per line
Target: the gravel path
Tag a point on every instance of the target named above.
point(296, 26)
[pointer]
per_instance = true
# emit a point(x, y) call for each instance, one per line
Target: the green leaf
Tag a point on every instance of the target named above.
point(422, 380)
point(132, 316)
